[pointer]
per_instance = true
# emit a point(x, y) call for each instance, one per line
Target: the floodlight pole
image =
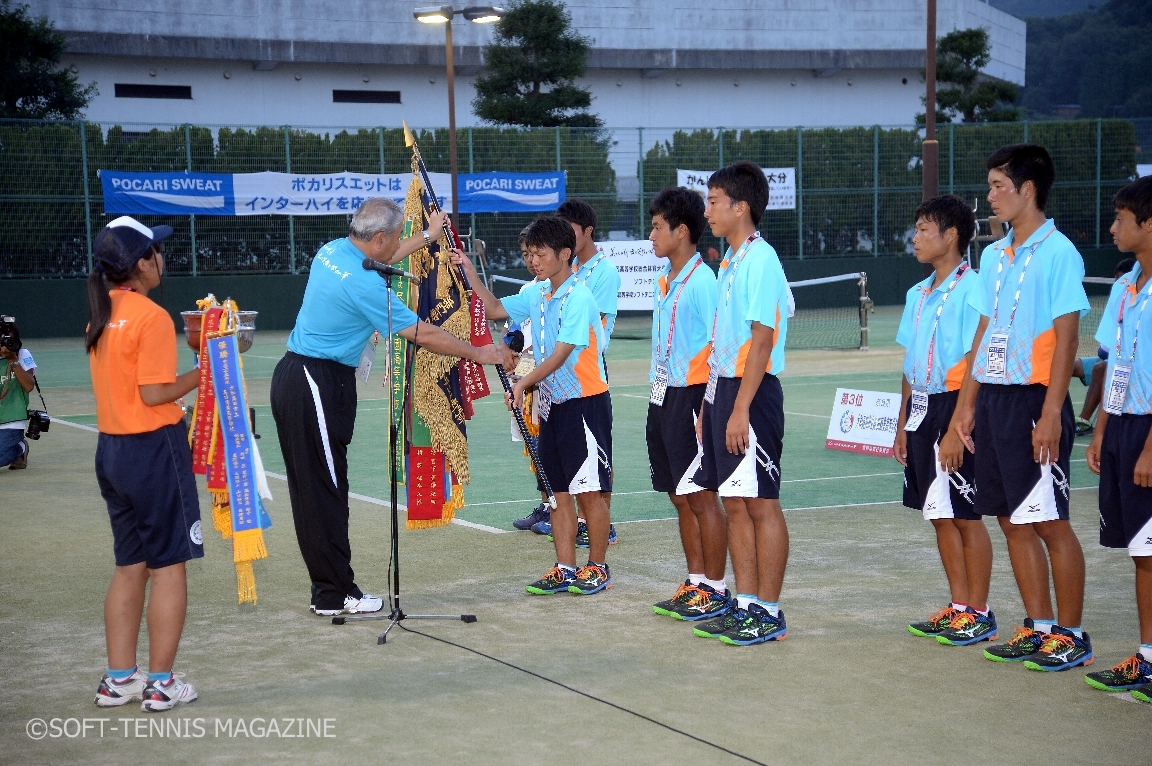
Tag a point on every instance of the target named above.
point(452, 124)
point(931, 147)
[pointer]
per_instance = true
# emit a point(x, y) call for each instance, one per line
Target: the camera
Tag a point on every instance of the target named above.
point(38, 422)
point(9, 335)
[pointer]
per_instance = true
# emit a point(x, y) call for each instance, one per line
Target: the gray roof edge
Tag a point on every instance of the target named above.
point(313, 52)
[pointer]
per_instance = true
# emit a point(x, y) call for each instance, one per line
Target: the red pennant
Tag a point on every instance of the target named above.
point(205, 395)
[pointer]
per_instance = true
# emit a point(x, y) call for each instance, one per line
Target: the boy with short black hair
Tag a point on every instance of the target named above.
point(937, 329)
point(684, 304)
point(1121, 449)
point(1015, 407)
point(742, 426)
point(594, 269)
point(575, 443)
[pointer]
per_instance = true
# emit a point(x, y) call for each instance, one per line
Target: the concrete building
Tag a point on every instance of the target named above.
point(654, 63)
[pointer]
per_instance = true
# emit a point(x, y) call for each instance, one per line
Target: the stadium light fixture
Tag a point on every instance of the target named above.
point(442, 14)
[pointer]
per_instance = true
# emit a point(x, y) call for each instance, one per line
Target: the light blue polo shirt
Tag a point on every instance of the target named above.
point(531, 289)
point(1139, 398)
point(568, 316)
point(343, 305)
point(603, 279)
point(693, 295)
point(1052, 287)
point(954, 331)
point(751, 287)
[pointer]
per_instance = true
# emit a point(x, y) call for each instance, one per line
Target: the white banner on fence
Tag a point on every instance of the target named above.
point(781, 185)
point(322, 194)
point(638, 267)
point(863, 421)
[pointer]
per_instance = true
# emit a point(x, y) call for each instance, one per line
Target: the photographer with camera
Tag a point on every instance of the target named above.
point(16, 382)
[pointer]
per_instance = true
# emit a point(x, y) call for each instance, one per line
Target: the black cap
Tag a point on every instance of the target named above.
point(124, 241)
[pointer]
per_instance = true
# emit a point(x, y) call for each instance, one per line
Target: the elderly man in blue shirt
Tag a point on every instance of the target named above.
point(313, 390)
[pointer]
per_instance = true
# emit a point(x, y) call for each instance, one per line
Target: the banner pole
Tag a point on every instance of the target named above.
point(191, 216)
point(291, 219)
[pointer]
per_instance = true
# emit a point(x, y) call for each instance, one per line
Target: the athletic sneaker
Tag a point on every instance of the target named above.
point(1083, 427)
point(939, 622)
point(1143, 693)
point(556, 580)
point(970, 627)
point(686, 591)
point(165, 696)
point(1125, 676)
point(758, 626)
point(1025, 642)
point(112, 693)
point(363, 605)
point(582, 535)
point(717, 626)
point(543, 527)
point(1062, 649)
point(591, 578)
point(704, 603)
point(539, 513)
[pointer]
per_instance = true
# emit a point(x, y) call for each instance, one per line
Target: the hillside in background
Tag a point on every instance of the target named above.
point(1098, 60)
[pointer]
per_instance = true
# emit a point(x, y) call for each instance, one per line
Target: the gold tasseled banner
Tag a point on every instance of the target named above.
point(221, 513)
point(245, 582)
point(248, 545)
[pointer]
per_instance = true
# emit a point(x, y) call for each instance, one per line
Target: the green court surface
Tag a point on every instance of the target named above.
point(850, 685)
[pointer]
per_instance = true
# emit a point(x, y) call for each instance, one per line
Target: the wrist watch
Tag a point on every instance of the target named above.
point(427, 239)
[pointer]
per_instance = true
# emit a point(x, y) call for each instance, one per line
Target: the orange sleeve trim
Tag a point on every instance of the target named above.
point(1043, 349)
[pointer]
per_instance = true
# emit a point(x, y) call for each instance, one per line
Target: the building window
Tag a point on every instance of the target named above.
point(365, 97)
point(129, 90)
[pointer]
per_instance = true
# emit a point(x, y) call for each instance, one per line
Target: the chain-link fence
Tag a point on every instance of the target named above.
point(855, 187)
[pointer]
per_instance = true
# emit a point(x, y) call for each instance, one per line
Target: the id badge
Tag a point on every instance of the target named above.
point(367, 356)
point(543, 404)
point(1117, 389)
point(659, 385)
point(918, 411)
point(997, 354)
point(710, 391)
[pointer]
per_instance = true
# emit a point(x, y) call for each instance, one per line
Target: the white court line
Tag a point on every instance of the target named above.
point(808, 415)
point(386, 504)
point(75, 425)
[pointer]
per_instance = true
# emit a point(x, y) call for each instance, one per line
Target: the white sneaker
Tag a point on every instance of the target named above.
point(363, 605)
point(116, 693)
point(160, 696)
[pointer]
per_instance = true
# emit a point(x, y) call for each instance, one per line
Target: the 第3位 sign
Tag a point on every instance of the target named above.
point(863, 421)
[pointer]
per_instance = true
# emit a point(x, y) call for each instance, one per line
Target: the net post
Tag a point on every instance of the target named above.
point(865, 307)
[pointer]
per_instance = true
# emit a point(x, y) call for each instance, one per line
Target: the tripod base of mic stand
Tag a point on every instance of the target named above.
point(396, 616)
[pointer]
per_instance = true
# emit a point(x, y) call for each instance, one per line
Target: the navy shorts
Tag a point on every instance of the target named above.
point(575, 445)
point(1125, 509)
point(926, 487)
point(147, 481)
point(1010, 482)
point(674, 454)
point(756, 473)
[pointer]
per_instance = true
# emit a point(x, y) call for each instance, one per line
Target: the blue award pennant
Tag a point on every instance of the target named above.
point(236, 435)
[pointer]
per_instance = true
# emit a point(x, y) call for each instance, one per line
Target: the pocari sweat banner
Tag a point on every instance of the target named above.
point(240, 194)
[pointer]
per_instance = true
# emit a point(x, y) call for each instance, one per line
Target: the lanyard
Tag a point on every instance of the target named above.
point(672, 319)
point(1136, 329)
point(731, 272)
point(1019, 285)
point(936, 324)
point(591, 266)
point(544, 301)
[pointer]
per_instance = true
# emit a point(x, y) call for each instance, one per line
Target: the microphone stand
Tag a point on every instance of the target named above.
point(396, 614)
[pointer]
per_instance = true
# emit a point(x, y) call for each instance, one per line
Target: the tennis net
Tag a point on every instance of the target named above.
point(1097, 289)
point(830, 312)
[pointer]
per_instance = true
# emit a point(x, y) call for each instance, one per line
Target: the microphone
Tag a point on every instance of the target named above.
point(388, 271)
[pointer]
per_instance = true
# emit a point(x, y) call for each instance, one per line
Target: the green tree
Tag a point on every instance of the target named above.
point(32, 83)
point(531, 67)
point(962, 89)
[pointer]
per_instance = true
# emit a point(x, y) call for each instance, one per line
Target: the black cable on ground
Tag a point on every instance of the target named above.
point(585, 694)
